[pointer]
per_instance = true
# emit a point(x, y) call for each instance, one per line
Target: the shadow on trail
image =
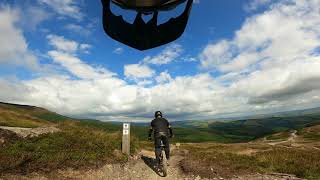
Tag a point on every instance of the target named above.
point(152, 163)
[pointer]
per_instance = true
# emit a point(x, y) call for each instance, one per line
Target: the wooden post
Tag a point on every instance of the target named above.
point(126, 139)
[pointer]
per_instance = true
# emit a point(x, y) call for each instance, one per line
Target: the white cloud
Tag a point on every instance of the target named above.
point(169, 54)
point(265, 38)
point(68, 8)
point(141, 72)
point(14, 48)
point(63, 44)
point(196, 1)
point(78, 29)
point(269, 65)
point(163, 77)
point(214, 55)
point(32, 17)
point(13, 91)
point(118, 50)
point(270, 61)
point(138, 71)
point(65, 54)
point(85, 48)
point(256, 4)
point(68, 46)
point(77, 67)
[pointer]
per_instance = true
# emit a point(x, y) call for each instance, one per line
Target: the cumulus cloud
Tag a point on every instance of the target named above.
point(138, 71)
point(272, 54)
point(65, 54)
point(142, 73)
point(118, 50)
point(77, 67)
point(14, 48)
point(32, 17)
point(169, 54)
point(78, 29)
point(163, 77)
point(85, 48)
point(271, 63)
point(255, 4)
point(65, 45)
point(67, 8)
point(264, 38)
point(12, 90)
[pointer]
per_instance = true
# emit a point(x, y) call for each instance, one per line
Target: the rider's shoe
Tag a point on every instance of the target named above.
point(168, 164)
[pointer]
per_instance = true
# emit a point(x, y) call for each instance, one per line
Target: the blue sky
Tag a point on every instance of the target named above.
point(235, 58)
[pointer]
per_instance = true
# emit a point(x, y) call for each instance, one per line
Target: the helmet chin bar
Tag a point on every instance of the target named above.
point(148, 6)
point(141, 35)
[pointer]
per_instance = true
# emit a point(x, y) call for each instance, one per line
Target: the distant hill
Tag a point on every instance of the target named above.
point(293, 113)
point(242, 130)
point(255, 128)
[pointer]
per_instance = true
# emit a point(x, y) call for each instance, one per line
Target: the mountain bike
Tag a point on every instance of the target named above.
point(163, 160)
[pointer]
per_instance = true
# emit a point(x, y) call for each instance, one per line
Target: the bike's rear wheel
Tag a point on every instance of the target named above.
point(164, 164)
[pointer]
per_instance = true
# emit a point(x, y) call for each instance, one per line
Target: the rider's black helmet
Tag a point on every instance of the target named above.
point(157, 113)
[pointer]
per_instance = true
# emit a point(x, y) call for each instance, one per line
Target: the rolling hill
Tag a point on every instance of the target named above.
point(242, 130)
point(90, 144)
point(27, 116)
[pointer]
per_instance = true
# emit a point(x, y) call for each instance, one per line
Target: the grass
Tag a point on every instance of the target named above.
point(310, 133)
point(302, 163)
point(13, 119)
point(279, 136)
point(74, 147)
point(53, 117)
point(225, 161)
point(212, 163)
point(26, 116)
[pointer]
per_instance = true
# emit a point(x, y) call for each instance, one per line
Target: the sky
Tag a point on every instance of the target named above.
point(236, 58)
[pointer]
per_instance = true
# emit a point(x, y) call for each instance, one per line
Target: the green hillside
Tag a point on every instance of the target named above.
point(190, 131)
point(77, 144)
point(255, 128)
point(27, 116)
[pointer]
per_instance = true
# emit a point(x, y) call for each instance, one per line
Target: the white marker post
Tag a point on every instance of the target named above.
point(126, 139)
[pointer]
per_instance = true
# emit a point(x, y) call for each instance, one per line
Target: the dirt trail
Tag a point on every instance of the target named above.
point(143, 168)
point(291, 139)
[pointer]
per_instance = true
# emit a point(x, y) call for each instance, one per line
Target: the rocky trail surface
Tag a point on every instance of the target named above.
point(30, 132)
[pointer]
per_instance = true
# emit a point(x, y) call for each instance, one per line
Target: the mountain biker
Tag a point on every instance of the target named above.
point(161, 128)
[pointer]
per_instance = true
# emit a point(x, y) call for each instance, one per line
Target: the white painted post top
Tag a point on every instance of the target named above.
point(126, 125)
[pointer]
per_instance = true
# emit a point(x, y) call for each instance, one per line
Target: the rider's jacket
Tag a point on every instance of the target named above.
point(160, 126)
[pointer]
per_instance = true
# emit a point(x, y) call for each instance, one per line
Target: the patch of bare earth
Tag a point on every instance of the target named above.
point(30, 132)
point(7, 136)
